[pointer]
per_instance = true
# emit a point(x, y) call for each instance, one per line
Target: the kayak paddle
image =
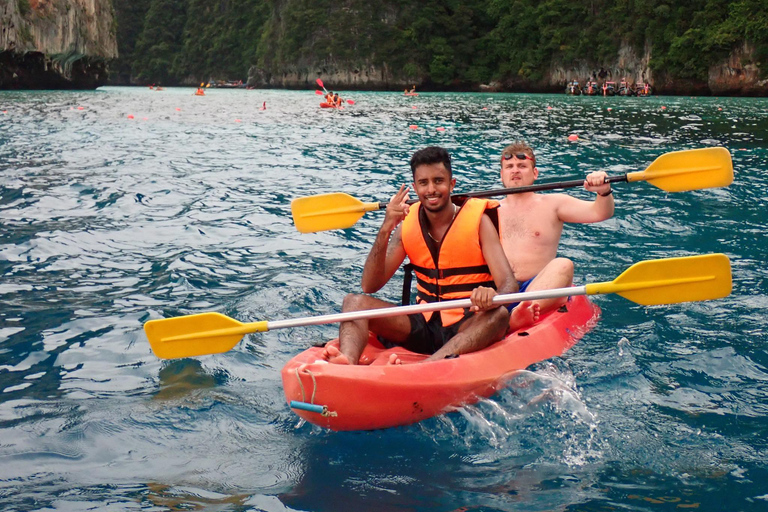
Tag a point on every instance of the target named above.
point(677, 171)
point(651, 282)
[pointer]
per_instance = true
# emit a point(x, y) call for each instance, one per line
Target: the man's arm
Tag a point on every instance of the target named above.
point(577, 211)
point(386, 255)
point(503, 276)
point(384, 259)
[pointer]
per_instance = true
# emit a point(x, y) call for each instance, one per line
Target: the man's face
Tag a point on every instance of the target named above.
point(518, 172)
point(433, 184)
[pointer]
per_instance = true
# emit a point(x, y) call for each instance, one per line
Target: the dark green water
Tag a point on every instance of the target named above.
point(107, 222)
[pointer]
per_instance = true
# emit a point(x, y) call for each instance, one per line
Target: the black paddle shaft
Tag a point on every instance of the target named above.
point(460, 198)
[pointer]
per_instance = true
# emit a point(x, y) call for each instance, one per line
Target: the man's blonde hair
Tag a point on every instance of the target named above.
point(517, 148)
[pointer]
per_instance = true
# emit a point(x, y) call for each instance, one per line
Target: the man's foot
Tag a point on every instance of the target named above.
point(332, 354)
point(524, 315)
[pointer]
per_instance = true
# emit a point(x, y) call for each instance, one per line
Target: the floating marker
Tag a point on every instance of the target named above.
point(237, 120)
point(573, 137)
point(178, 109)
point(663, 107)
point(130, 116)
point(413, 127)
point(609, 109)
point(549, 108)
point(414, 106)
point(80, 108)
point(440, 129)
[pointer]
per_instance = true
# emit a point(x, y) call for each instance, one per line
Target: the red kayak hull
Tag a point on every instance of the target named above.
point(327, 105)
point(379, 395)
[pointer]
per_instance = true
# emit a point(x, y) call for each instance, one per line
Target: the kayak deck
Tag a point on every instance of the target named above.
point(376, 395)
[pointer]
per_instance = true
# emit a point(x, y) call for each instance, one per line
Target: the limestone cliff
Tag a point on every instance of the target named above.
point(737, 75)
point(56, 44)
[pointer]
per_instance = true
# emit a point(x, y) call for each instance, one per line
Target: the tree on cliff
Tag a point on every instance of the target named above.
point(444, 43)
point(158, 49)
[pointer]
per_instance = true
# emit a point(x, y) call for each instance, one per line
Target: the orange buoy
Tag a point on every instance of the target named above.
point(440, 129)
point(413, 127)
point(130, 116)
point(573, 137)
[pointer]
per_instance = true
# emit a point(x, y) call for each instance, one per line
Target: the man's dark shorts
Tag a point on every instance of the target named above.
point(427, 337)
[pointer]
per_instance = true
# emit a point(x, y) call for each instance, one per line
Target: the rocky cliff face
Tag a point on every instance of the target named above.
point(59, 44)
point(365, 77)
point(736, 76)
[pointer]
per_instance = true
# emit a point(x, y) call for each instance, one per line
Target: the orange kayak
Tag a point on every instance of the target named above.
point(327, 105)
point(380, 395)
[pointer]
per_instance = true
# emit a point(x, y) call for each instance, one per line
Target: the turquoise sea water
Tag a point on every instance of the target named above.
point(107, 222)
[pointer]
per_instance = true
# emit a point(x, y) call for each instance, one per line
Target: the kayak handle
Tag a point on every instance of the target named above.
point(304, 406)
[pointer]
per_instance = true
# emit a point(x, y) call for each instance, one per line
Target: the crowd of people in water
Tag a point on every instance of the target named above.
point(608, 88)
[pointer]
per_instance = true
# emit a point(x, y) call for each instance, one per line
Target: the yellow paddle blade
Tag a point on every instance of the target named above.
point(328, 211)
point(197, 335)
point(671, 280)
point(692, 169)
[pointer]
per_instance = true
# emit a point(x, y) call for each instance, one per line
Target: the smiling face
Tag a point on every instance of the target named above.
point(516, 172)
point(434, 185)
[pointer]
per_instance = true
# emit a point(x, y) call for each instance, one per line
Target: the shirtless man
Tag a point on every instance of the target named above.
point(531, 223)
point(435, 234)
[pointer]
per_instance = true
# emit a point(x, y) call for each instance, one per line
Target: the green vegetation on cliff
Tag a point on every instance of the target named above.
point(440, 42)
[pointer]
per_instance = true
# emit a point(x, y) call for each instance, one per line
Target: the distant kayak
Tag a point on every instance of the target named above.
point(327, 105)
point(379, 395)
point(410, 94)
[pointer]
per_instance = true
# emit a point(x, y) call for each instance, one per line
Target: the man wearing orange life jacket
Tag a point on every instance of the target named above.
point(456, 253)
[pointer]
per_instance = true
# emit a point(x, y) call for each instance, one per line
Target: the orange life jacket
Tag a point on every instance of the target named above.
point(460, 265)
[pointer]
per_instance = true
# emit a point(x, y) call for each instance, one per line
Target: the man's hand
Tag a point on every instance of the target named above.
point(482, 299)
point(397, 209)
point(595, 182)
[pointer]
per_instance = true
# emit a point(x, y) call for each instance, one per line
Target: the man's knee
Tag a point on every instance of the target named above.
point(563, 266)
point(353, 302)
